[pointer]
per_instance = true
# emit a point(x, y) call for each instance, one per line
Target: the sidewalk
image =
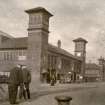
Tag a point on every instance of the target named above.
point(46, 89)
point(86, 94)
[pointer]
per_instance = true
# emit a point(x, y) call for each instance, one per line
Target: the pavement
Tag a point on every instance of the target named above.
point(46, 90)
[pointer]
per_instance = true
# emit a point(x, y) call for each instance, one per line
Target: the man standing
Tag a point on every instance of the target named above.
point(26, 80)
point(15, 79)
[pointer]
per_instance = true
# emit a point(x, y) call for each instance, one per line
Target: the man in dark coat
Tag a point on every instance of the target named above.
point(26, 80)
point(15, 79)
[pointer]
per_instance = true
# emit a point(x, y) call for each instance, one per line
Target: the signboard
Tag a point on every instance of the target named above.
point(22, 58)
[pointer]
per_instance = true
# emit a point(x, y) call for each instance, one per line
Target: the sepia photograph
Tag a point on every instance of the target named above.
point(52, 52)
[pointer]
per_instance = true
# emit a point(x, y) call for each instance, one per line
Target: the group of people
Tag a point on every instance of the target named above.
point(19, 81)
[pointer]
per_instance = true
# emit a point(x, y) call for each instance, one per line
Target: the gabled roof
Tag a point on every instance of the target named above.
point(80, 40)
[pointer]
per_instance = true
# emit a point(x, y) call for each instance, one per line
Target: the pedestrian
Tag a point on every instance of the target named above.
point(26, 80)
point(22, 92)
point(53, 80)
point(21, 86)
point(14, 81)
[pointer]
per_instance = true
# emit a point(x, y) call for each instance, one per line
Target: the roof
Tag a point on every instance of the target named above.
point(55, 49)
point(5, 34)
point(12, 43)
point(17, 43)
point(38, 9)
point(80, 39)
point(92, 66)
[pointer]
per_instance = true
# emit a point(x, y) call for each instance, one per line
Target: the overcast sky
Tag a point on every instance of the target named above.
point(72, 19)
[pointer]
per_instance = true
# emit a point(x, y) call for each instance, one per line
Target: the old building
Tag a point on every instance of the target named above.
point(92, 72)
point(44, 60)
point(102, 68)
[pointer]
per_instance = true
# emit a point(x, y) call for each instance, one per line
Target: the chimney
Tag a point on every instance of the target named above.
point(59, 43)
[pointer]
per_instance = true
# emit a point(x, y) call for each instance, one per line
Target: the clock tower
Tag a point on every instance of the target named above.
point(80, 51)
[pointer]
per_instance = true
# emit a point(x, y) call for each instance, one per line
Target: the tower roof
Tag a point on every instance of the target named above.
point(38, 9)
point(80, 40)
point(5, 34)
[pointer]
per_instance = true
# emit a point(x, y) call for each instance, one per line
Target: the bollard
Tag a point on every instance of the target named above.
point(63, 100)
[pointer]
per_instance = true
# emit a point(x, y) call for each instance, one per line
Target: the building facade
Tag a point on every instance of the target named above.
point(102, 68)
point(92, 72)
point(43, 59)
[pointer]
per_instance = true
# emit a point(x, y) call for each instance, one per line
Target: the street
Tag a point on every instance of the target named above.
point(91, 96)
point(81, 96)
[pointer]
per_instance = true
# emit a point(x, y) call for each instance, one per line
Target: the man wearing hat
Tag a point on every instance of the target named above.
point(15, 79)
point(26, 80)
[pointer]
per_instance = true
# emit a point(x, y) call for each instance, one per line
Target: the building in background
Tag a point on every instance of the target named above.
point(44, 60)
point(92, 72)
point(80, 51)
point(102, 68)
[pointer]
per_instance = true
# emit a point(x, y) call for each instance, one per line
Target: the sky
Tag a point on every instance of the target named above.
point(72, 19)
